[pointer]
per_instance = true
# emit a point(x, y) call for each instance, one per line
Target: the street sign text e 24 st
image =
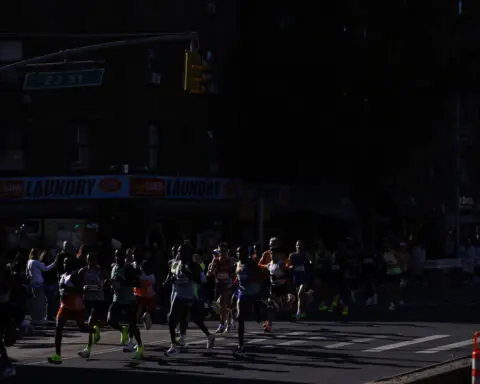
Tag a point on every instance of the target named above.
point(64, 79)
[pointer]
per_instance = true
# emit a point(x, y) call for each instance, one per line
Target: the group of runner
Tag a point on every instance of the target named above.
point(246, 285)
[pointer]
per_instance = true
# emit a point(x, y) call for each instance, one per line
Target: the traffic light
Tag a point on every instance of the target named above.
point(197, 76)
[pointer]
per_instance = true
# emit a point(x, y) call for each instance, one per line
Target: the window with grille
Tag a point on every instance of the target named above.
point(79, 146)
point(153, 147)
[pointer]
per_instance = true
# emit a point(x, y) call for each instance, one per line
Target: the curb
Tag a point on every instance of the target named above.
point(425, 372)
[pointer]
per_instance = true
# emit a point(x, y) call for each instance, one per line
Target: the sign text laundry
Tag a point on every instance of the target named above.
point(81, 187)
point(60, 188)
point(194, 188)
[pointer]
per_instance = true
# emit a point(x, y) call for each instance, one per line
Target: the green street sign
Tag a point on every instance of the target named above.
point(64, 79)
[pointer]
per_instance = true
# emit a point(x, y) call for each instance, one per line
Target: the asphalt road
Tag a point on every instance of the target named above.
point(306, 352)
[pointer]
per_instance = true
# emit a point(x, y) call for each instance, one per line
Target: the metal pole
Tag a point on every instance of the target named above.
point(261, 222)
point(95, 47)
point(457, 175)
point(76, 35)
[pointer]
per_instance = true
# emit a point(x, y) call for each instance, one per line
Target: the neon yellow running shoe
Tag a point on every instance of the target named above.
point(55, 359)
point(322, 307)
point(96, 335)
point(124, 336)
point(139, 352)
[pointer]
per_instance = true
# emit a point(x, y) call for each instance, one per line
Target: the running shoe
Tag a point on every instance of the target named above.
point(147, 321)
point(181, 341)
point(232, 326)
point(210, 341)
point(267, 327)
point(8, 371)
point(124, 336)
point(322, 307)
point(139, 352)
point(85, 353)
point(55, 359)
point(220, 329)
point(96, 335)
point(171, 351)
point(240, 351)
point(129, 347)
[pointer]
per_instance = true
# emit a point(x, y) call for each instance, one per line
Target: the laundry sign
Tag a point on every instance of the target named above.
point(183, 188)
point(83, 187)
point(194, 188)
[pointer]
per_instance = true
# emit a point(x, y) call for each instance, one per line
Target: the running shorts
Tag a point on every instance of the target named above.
point(148, 303)
point(65, 314)
point(279, 290)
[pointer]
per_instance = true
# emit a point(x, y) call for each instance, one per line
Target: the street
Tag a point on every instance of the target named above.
point(306, 352)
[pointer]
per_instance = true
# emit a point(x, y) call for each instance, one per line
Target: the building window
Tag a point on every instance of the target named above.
point(211, 7)
point(80, 151)
point(152, 147)
point(11, 148)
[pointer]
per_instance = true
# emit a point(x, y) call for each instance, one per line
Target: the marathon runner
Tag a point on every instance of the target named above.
point(6, 322)
point(249, 282)
point(123, 279)
point(222, 269)
point(280, 293)
point(71, 306)
point(299, 265)
point(186, 275)
point(145, 293)
point(94, 298)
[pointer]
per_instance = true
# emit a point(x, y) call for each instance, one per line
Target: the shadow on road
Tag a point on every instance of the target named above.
point(131, 374)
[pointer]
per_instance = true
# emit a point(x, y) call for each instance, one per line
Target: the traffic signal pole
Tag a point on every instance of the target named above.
point(192, 36)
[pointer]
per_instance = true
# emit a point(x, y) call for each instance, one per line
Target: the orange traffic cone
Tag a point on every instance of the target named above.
point(475, 357)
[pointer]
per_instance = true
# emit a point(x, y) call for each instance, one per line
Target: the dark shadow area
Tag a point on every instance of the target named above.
point(327, 359)
point(132, 373)
point(403, 316)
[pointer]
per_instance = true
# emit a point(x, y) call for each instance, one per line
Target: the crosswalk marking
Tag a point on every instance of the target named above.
point(447, 347)
point(347, 343)
point(293, 342)
point(196, 342)
point(291, 334)
point(317, 338)
point(296, 339)
point(402, 344)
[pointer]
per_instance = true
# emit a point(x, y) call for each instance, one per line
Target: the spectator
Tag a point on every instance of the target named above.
point(34, 272)
point(51, 286)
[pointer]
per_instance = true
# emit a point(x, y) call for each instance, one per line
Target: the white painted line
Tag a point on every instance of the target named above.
point(317, 338)
point(347, 343)
point(402, 344)
point(203, 341)
point(293, 342)
point(291, 334)
point(447, 347)
point(256, 341)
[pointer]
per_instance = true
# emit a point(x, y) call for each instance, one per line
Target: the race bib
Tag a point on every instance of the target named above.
point(299, 268)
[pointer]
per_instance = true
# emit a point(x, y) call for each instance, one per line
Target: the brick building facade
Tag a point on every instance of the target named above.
point(139, 116)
